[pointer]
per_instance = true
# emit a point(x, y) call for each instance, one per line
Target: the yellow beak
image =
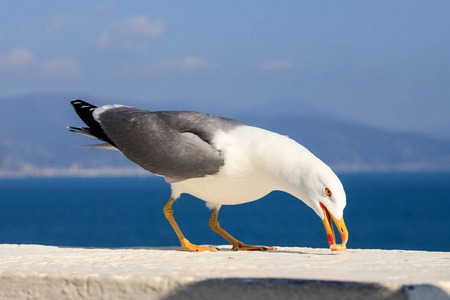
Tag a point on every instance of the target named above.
point(340, 224)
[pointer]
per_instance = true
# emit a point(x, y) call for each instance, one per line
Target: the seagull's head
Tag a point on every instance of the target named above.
point(321, 189)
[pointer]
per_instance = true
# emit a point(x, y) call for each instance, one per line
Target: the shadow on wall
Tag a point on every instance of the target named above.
point(99, 287)
point(280, 289)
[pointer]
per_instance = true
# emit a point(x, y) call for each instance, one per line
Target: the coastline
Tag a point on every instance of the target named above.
point(136, 171)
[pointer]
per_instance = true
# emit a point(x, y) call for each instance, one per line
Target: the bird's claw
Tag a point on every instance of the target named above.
point(242, 246)
point(195, 248)
point(338, 247)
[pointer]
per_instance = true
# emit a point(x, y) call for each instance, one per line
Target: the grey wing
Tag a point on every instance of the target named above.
point(175, 145)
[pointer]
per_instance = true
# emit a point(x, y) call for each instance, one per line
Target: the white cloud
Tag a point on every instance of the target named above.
point(140, 26)
point(61, 68)
point(106, 6)
point(164, 66)
point(184, 65)
point(194, 63)
point(16, 59)
point(277, 65)
point(23, 62)
point(103, 40)
point(58, 23)
point(131, 33)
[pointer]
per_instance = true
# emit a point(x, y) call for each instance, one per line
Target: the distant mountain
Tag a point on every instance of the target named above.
point(354, 147)
point(35, 142)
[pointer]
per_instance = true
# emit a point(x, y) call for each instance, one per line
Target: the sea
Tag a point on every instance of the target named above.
point(408, 211)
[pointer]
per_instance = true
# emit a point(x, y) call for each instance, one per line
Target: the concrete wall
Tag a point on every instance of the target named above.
point(42, 272)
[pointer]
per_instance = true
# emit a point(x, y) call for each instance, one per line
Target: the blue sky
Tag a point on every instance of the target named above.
point(383, 63)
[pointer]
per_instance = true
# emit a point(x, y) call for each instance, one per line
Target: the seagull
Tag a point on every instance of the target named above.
point(218, 160)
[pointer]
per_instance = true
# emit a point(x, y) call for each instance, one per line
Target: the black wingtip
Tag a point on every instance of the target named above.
point(84, 110)
point(80, 102)
point(81, 105)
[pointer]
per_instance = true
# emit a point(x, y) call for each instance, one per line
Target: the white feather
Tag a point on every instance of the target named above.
point(106, 146)
point(99, 110)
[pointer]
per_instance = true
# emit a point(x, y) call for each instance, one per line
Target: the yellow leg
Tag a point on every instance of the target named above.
point(183, 241)
point(237, 245)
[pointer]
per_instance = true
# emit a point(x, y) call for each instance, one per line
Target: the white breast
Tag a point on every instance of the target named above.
point(251, 169)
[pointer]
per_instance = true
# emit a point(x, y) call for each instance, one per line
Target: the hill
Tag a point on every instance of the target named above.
point(35, 142)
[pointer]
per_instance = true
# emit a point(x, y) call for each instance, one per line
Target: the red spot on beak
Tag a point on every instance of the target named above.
point(328, 225)
point(327, 222)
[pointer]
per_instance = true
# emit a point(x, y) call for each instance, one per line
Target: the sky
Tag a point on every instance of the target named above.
point(381, 63)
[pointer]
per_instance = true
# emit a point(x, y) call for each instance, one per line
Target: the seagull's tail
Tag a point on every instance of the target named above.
point(84, 110)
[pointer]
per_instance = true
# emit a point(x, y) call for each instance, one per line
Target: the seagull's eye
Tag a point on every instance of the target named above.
point(328, 192)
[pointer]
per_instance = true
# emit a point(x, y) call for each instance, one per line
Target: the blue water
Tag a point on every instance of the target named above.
point(384, 211)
